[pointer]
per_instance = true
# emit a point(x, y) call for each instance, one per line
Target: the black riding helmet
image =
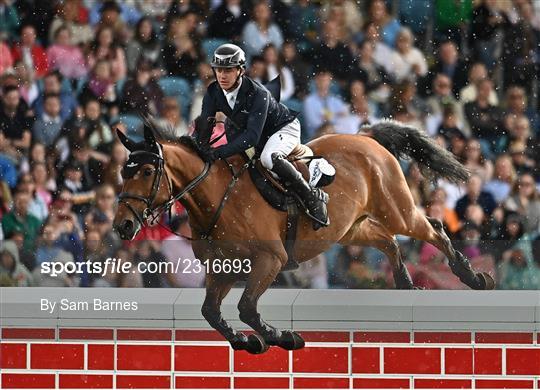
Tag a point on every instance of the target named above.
point(229, 56)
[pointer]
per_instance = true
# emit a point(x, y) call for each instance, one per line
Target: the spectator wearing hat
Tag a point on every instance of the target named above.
point(31, 53)
point(19, 219)
point(321, 106)
point(12, 272)
point(141, 93)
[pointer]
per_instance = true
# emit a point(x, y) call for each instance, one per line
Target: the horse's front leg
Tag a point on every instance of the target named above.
point(217, 287)
point(264, 270)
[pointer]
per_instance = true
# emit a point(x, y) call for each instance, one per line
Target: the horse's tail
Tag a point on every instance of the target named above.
point(406, 141)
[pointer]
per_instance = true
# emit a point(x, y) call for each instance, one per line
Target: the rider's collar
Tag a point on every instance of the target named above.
point(234, 92)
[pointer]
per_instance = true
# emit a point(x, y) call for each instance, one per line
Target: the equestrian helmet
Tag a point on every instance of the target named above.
point(228, 56)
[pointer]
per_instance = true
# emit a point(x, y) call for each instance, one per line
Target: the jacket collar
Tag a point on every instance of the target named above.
point(240, 98)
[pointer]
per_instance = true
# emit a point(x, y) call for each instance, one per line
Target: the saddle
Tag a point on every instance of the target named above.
point(280, 198)
point(269, 186)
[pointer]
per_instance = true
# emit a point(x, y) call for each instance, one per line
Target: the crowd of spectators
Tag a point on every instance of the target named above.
point(72, 71)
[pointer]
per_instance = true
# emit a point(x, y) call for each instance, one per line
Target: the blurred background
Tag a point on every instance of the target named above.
point(465, 72)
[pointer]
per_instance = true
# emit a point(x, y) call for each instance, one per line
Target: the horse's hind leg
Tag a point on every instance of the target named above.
point(432, 230)
point(263, 272)
point(217, 287)
point(370, 232)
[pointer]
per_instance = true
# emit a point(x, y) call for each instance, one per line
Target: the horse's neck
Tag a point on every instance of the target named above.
point(183, 167)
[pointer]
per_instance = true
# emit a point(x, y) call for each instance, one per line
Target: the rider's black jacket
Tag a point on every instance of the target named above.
point(256, 116)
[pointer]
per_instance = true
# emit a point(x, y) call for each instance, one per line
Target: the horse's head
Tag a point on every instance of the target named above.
point(146, 186)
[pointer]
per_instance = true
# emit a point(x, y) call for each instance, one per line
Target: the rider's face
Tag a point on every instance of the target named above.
point(227, 76)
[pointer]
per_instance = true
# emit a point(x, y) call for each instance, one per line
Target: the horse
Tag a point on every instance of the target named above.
point(370, 203)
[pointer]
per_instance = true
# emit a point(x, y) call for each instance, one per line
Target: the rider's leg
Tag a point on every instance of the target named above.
point(274, 156)
point(282, 143)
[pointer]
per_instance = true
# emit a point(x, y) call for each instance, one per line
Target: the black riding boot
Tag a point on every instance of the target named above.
point(314, 199)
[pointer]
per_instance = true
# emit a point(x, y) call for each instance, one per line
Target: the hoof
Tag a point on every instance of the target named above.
point(256, 344)
point(487, 280)
point(291, 340)
point(239, 342)
point(418, 288)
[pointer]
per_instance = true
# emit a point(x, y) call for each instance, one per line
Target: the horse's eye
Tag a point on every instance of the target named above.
point(147, 172)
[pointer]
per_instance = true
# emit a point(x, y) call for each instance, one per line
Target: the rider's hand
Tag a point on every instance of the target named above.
point(208, 154)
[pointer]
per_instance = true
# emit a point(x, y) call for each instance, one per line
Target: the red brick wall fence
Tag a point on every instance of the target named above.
point(354, 339)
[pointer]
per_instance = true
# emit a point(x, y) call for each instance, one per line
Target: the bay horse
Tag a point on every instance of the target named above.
point(370, 203)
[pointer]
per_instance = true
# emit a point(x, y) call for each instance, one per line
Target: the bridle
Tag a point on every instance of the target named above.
point(160, 172)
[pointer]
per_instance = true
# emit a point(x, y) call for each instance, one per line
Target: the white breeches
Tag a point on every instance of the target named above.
point(282, 142)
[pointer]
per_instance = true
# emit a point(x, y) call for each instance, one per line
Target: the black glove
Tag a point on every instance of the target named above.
point(208, 154)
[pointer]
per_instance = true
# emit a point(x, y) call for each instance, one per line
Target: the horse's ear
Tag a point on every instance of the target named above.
point(130, 145)
point(149, 136)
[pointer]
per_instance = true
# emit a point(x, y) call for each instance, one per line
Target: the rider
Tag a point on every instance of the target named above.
point(256, 119)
